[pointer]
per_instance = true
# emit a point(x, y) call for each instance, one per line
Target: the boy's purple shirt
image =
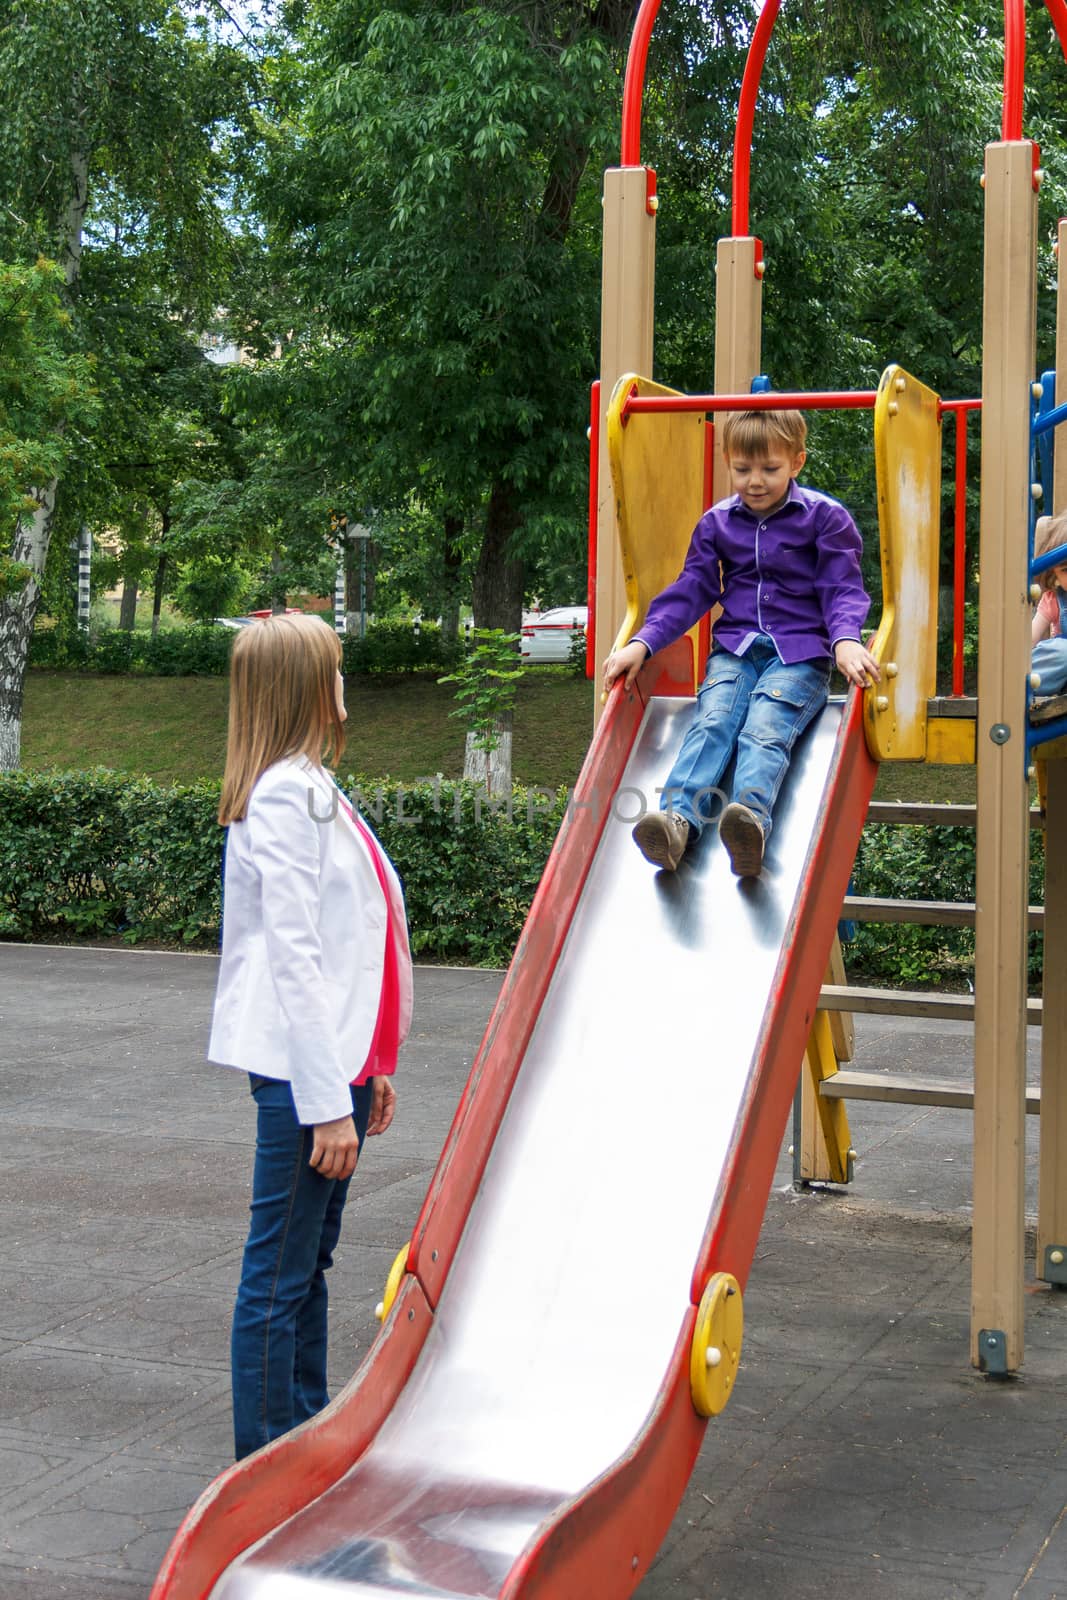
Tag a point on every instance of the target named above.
point(794, 575)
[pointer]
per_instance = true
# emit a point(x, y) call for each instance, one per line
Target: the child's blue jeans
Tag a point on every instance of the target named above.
point(1049, 661)
point(753, 705)
point(278, 1343)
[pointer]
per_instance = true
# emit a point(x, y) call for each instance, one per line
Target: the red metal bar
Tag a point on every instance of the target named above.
point(594, 500)
point(828, 400)
point(958, 405)
point(633, 88)
point(959, 564)
point(746, 111)
point(1011, 122)
point(1057, 10)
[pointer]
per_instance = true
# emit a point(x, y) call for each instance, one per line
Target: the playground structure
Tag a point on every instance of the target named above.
point(568, 1312)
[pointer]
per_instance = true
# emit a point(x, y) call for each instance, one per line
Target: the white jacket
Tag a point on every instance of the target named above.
point(303, 942)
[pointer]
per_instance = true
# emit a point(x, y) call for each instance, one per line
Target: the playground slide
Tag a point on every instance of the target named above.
point(524, 1425)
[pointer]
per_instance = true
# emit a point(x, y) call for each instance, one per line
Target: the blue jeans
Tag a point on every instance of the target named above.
point(278, 1343)
point(753, 705)
point(1049, 661)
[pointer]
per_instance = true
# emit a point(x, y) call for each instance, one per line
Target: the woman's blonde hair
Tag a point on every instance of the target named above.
point(1049, 534)
point(283, 702)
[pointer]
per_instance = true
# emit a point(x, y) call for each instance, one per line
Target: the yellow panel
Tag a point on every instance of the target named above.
point(950, 741)
point(657, 469)
point(907, 452)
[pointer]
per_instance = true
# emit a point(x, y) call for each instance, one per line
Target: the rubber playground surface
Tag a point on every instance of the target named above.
point(859, 1452)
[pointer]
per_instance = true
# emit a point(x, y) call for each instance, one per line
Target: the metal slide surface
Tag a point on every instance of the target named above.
point(560, 1315)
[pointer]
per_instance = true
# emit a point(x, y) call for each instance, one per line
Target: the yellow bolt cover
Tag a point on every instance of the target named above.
point(881, 703)
point(716, 1352)
point(891, 669)
point(392, 1283)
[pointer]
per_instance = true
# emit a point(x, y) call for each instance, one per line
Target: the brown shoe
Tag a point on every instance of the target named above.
point(742, 834)
point(661, 837)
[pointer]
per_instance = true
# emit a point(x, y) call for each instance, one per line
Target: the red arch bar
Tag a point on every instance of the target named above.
point(637, 63)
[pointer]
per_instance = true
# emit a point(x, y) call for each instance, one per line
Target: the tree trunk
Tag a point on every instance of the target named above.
point(161, 573)
point(278, 596)
point(490, 769)
point(33, 530)
point(128, 607)
point(453, 558)
point(499, 576)
point(17, 611)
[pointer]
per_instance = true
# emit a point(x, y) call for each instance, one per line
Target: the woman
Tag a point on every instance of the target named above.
point(313, 1002)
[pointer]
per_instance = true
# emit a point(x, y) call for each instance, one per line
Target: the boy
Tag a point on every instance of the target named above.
point(792, 602)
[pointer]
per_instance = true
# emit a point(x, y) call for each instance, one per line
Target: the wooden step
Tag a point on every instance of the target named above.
point(933, 815)
point(895, 1090)
point(906, 1003)
point(926, 913)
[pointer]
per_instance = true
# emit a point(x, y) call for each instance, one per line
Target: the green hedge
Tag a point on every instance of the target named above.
point(98, 853)
point(901, 862)
point(171, 653)
point(395, 647)
point(389, 647)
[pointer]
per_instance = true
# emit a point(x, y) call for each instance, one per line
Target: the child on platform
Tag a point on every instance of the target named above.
point(1049, 630)
point(784, 563)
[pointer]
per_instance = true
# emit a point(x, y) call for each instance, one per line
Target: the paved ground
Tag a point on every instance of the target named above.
point(860, 1454)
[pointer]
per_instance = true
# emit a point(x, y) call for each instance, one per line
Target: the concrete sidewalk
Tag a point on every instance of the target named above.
point(860, 1453)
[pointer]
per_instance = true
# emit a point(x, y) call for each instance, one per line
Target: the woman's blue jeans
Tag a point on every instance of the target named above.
point(278, 1344)
point(752, 705)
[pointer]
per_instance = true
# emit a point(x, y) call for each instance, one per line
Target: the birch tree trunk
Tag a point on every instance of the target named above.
point(33, 532)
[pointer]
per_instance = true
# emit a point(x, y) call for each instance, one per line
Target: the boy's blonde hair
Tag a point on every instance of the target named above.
point(283, 702)
point(752, 433)
point(1049, 534)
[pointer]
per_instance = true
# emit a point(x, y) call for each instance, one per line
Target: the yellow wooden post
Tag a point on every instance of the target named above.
point(628, 275)
point(1003, 807)
point(1052, 1175)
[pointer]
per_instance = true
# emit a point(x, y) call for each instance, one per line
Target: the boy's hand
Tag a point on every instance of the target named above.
point(629, 660)
point(855, 663)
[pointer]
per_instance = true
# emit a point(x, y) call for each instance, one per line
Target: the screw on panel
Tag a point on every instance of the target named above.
point(1000, 733)
point(1056, 1265)
point(993, 1352)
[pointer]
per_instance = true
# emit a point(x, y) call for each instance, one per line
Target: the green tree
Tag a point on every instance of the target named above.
point(433, 194)
point(116, 125)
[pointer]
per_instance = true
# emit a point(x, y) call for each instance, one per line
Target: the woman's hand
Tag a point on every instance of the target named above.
point(336, 1148)
point(382, 1106)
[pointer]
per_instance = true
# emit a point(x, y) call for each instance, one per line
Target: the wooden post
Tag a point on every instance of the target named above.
point(1052, 1176)
point(738, 324)
point(1003, 805)
point(628, 275)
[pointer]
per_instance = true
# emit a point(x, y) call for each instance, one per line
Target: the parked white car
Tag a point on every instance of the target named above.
point(550, 635)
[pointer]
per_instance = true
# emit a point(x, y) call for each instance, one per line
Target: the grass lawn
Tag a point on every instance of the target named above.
point(174, 730)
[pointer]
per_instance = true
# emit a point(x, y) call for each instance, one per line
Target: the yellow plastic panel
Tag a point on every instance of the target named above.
point(907, 453)
point(657, 468)
point(950, 741)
